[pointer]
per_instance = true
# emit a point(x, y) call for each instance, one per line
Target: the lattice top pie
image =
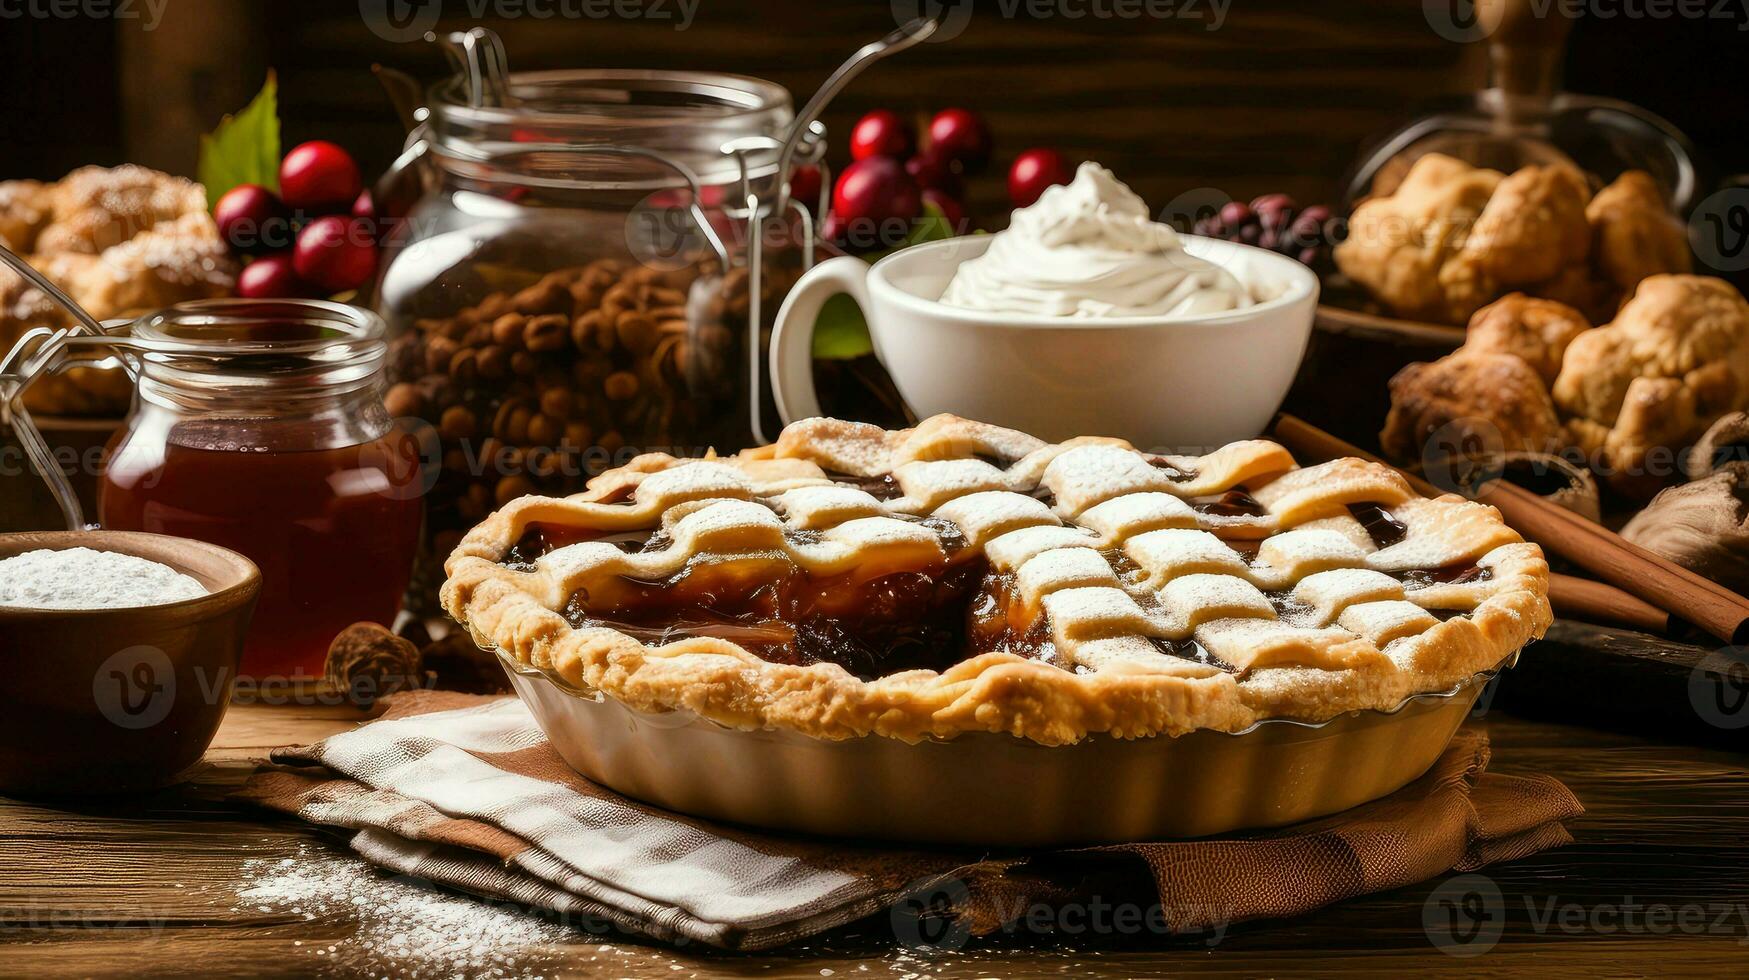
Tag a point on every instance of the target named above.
point(961, 577)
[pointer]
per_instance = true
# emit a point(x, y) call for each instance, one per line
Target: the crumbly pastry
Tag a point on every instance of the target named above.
point(1451, 238)
point(121, 242)
point(1472, 402)
point(959, 577)
point(1674, 360)
point(1536, 330)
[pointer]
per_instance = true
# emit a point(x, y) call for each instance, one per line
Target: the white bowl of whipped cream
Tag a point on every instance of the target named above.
point(1084, 316)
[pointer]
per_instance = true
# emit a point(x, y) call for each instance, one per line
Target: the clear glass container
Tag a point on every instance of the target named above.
point(1523, 118)
point(590, 273)
point(260, 426)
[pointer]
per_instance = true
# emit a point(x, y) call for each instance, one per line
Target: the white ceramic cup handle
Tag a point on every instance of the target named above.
point(792, 337)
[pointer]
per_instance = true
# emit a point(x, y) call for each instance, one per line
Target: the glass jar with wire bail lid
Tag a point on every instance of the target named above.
point(257, 425)
point(589, 273)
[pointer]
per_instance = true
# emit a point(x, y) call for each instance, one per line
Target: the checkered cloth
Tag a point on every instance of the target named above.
point(466, 792)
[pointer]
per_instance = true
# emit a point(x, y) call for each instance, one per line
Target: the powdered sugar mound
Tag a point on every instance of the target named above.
point(80, 578)
point(406, 927)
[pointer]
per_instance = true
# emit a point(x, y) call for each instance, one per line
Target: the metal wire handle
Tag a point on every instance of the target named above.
point(479, 57)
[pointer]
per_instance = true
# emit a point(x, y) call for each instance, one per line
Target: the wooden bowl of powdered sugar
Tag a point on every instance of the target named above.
point(118, 650)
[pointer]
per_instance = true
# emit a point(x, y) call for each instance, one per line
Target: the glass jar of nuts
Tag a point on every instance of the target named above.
point(590, 274)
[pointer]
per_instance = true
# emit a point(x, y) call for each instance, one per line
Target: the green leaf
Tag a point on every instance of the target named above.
point(932, 227)
point(840, 332)
point(244, 149)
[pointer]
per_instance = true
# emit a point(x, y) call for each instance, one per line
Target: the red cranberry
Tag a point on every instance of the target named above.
point(876, 201)
point(1235, 214)
point(271, 277)
point(960, 134)
point(319, 176)
point(804, 185)
point(932, 170)
point(882, 133)
point(1033, 171)
point(952, 211)
point(335, 253)
point(252, 220)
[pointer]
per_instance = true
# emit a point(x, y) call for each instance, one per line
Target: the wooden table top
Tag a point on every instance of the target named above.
point(1656, 882)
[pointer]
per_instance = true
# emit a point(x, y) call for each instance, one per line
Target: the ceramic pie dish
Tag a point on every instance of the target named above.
point(961, 591)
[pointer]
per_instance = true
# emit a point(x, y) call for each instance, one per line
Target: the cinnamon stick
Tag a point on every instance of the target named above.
point(1595, 602)
point(1587, 544)
point(1603, 553)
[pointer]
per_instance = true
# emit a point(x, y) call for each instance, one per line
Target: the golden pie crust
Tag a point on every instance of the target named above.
point(1294, 608)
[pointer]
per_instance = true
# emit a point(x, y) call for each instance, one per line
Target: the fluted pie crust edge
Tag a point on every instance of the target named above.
point(1306, 673)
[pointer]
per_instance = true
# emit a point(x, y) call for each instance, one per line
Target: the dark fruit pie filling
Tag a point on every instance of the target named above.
point(914, 618)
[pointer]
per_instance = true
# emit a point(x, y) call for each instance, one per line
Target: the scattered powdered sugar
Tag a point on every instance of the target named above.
point(80, 578)
point(406, 926)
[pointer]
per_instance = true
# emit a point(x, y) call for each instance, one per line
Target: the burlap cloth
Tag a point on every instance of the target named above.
point(466, 792)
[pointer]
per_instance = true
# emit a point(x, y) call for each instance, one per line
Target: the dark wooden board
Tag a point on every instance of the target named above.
point(1629, 681)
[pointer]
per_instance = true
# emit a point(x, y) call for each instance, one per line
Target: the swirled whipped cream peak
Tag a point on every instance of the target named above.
point(1089, 249)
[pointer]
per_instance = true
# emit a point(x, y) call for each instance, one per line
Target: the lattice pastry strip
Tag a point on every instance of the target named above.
point(851, 580)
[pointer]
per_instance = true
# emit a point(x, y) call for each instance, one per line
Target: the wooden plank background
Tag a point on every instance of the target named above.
point(1281, 97)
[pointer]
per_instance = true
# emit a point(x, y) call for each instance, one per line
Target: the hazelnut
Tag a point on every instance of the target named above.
point(507, 330)
point(515, 428)
point(577, 435)
point(494, 362)
point(637, 333)
point(464, 366)
point(585, 329)
point(547, 333)
point(587, 374)
point(620, 385)
point(544, 430)
point(492, 307)
point(542, 297)
point(558, 402)
point(511, 487)
point(437, 354)
point(404, 400)
point(457, 423)
point(543, 462)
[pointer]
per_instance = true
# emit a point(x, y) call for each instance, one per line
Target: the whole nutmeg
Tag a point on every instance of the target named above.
point(366, 662)
point(547, 333)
